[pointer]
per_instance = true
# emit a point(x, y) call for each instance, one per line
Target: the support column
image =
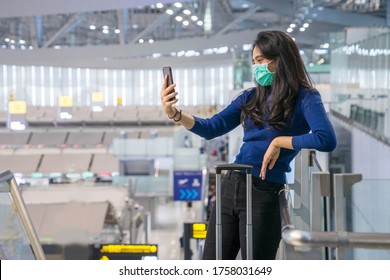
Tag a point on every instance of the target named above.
point(388, 13)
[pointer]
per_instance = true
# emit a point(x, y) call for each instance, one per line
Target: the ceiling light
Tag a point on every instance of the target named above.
point(187, 12)
point(117, 31)
point(141, 41)
point(106, 31)
point(151, 41)
point(221, 50)
point(22, 42)
point(247, 47)
point(289, 30)
point(200, 23)
point(105, 27)
point(92, 27)
point(57, 47)
point(320, 51)
point(194, 18)
point(12, 41)
point(293, 25)
point(30, 47)
point(135, 26)
point(186, 23)
point(305, 25)
point(169, 12)
point(190, 53)
point(302, 29)
point(160, 5)
point(7, 40)
point(178, 5)
point(179, 18)
point(207, 51)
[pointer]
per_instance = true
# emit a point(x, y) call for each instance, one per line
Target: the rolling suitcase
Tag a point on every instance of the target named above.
point(218, 224)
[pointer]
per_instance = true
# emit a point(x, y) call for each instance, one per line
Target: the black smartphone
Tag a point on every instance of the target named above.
point(167, 70)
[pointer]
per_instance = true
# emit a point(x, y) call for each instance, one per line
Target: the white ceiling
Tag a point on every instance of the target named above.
point(64, 24)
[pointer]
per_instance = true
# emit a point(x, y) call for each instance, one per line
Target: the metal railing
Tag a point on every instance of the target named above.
point(295, 237)
point(315, 185)
point(8, 185)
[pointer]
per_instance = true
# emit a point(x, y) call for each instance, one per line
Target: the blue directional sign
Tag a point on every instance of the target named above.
point(187, 185)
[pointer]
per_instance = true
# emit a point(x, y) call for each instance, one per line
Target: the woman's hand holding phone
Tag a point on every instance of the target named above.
point(167, 71)
point(168, 94)
point(168, 99)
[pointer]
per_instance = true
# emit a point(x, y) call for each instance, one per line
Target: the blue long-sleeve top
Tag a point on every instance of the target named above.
point(309, 127)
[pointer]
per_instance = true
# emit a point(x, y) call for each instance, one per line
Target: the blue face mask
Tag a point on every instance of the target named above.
point(262, 75)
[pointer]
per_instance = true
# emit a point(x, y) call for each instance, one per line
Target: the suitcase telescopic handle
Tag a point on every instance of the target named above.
point(218, 223)
point(233, 166)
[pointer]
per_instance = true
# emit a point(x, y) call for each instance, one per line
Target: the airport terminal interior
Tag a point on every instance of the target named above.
point(91, 168)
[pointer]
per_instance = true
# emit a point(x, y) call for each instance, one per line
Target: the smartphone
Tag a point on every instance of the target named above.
point(167, 70)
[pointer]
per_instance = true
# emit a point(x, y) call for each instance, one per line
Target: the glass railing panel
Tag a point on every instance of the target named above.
point(153, 186)
point(14, 244)
point(368, 210)
point(360, 82)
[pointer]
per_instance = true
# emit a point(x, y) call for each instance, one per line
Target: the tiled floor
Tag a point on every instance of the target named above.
point(169, 220)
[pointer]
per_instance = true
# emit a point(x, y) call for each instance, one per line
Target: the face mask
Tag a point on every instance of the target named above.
point(262, 75)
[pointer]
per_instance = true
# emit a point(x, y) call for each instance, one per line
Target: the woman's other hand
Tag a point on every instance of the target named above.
point(273, 152)
point(269, 159)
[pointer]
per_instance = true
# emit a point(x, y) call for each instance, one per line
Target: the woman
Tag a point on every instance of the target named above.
point(280, 116)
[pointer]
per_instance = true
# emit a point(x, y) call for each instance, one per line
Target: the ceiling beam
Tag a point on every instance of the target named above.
point(72, 23)
point(25, 8)
point(123, 18)
point(244, 16)
point(156, 23)
point(334, 16)
point(36, 30)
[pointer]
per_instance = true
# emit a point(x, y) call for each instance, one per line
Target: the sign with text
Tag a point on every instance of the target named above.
point(187, 185)
point(65, 107)
point(16, 119)
point(125, 251)
point(65, 101)
point(17, 107)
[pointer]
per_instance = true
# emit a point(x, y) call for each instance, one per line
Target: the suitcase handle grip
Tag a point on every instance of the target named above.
point(233, 166)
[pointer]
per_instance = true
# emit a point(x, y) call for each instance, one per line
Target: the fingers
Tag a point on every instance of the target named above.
point(166, 89)
point(263, 171)
point(169, 99)
point(267, 164)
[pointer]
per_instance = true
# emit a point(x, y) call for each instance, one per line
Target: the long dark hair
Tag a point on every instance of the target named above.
point(289, 76)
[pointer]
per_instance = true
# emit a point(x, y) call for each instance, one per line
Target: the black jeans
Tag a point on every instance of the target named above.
point(266, 221)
